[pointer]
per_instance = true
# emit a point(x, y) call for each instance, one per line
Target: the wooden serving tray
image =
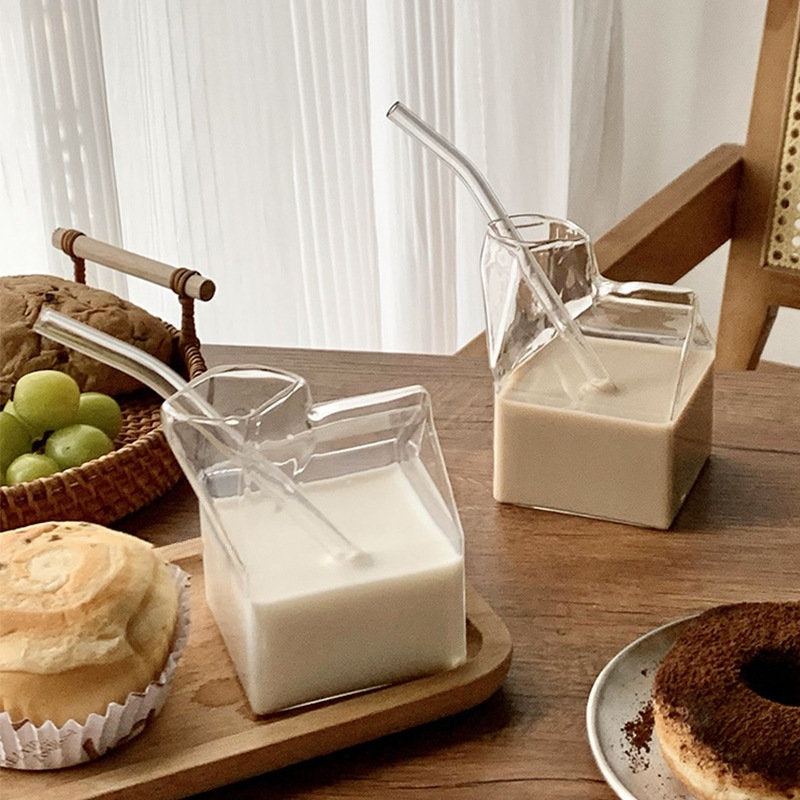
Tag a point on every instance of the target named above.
point(206, 736)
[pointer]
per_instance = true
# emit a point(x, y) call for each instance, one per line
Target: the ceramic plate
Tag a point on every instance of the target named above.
point(623, 744)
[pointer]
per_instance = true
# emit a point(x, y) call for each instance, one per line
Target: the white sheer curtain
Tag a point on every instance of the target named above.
point(56, 151)
point(248, 140)
point(252, 143)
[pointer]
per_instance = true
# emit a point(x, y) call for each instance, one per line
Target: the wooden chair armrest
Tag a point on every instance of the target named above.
point(475, 348)
point(679, 226)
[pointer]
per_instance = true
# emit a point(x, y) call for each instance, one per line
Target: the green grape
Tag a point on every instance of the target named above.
point(35, 434)
point(75, 444)
point(29, 467)
point(14, 439)
point(100, 410)
point(46, 399)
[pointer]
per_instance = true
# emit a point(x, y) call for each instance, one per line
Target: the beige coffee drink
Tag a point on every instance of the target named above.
point(631, 455)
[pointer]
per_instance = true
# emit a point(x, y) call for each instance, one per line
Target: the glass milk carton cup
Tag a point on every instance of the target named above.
point(332, 547)
point(629, 453)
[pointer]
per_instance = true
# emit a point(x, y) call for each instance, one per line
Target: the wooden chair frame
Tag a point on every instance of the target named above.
point(729, 195)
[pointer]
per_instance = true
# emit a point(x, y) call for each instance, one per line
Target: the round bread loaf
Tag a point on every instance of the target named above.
point(87, 616)
point(22, 350)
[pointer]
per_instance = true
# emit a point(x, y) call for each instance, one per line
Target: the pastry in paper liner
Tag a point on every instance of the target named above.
point(26, 746)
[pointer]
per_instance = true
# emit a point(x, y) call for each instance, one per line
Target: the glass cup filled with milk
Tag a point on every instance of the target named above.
point(628, 451)
point(332, 547)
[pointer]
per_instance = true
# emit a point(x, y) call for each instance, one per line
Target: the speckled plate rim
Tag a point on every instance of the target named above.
point(619, 693)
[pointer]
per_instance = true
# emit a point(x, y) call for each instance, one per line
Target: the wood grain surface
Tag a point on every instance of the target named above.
point(571, 591)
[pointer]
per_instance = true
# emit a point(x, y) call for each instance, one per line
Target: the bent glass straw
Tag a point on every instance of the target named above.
point(166, 382)
point(588, 361)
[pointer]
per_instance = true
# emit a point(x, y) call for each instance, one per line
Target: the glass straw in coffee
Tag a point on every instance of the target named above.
point(590, 365)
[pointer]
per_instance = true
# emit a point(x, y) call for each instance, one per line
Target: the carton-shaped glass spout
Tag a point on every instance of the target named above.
point(628, 453)
point(348, 571)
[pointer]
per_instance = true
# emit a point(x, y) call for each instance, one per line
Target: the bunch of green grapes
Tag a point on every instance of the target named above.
point(50, 425)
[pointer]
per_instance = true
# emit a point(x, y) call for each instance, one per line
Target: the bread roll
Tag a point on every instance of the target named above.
point(22, 350)
point(87, 616)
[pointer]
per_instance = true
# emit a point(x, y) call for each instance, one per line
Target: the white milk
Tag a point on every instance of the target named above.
point(305, 626)
point(616, 456)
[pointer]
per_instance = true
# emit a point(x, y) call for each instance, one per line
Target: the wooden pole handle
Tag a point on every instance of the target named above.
point(183, 282)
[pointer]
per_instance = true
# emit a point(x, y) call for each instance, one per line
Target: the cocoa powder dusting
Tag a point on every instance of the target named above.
point(732, 677)
point(638, 733)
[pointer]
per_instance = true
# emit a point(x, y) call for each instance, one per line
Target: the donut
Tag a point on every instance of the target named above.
point(726, 703)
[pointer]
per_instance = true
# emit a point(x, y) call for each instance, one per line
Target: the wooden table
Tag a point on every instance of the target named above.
point(572, 591)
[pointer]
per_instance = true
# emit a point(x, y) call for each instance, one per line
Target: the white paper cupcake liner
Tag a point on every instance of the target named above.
point(24, 745)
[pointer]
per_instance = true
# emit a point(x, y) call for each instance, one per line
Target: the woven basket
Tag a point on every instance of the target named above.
point(141, 468)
